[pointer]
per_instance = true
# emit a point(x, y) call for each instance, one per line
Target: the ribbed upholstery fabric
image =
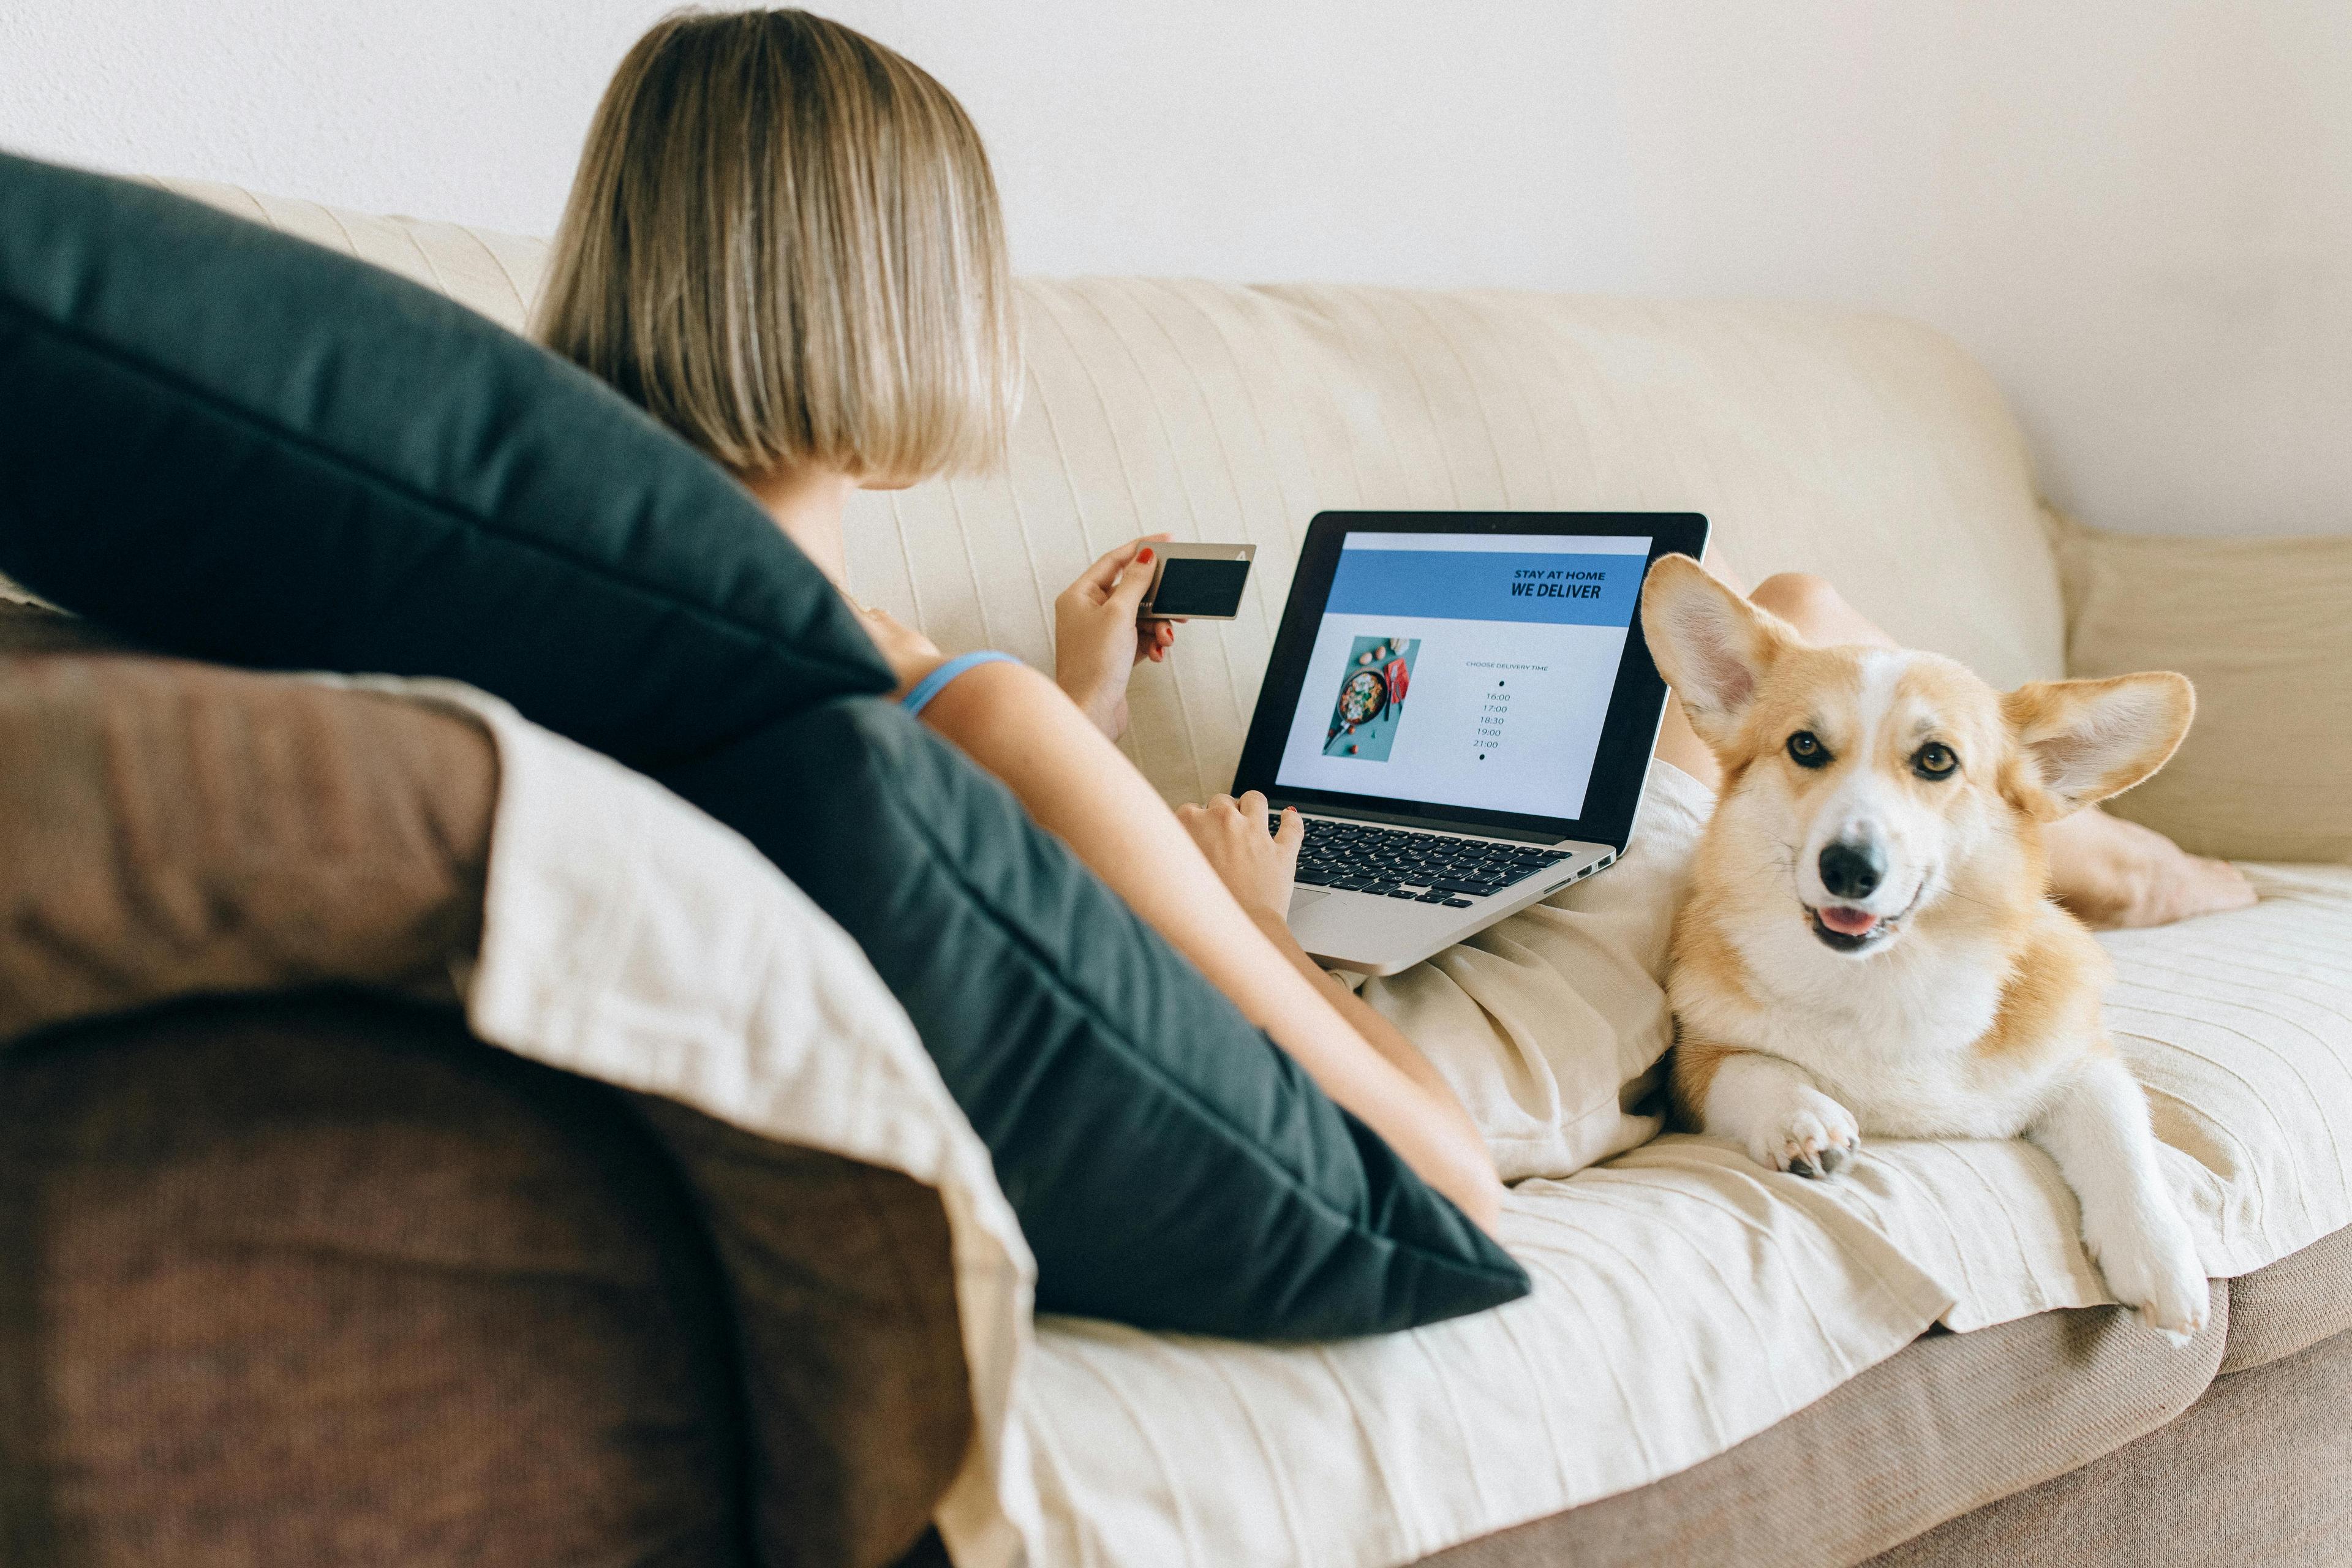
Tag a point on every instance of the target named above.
point(1681, 1307)
point(1682, 1294)
point(2291, 1304)
point(2241, 1027)
point(2258, 1471)
point(495, 274)
point(1685, 1299)
point(1864, 448)
point(1954, 1422)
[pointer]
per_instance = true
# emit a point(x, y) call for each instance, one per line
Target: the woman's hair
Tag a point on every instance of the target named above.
point(783, 242)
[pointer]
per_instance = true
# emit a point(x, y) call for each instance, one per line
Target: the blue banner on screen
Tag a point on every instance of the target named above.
point(1474, 585)
point(1465, 670)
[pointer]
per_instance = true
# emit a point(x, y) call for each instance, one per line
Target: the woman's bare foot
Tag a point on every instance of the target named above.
point(2115, 874)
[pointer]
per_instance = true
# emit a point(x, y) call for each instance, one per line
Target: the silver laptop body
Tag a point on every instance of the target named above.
point(1376, 900)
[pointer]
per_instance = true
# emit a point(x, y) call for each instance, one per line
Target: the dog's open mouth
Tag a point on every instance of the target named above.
point(1846, 929)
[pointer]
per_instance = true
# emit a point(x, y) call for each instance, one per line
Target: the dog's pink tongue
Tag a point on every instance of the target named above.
point(1847, 923)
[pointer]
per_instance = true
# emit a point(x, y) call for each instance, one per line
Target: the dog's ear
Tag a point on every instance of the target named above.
point(2090, 739)
point(1712, 646)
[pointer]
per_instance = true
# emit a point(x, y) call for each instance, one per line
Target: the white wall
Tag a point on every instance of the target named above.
point(2138, 213)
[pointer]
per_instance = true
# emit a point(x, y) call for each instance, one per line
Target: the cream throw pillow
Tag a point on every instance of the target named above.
point(2263, 626)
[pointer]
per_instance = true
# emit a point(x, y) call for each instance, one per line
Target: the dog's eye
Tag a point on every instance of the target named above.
point(1934, 761)
point(1805, 749)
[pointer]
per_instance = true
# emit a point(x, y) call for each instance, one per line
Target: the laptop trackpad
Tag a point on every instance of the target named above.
point(1304, 898)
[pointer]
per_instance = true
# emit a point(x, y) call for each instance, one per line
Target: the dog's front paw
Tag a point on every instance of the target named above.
point(2151, 1262)
point(1812, 1135)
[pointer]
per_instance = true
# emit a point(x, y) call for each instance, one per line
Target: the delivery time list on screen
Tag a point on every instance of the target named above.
point(1494, 713)
point(1467, 670)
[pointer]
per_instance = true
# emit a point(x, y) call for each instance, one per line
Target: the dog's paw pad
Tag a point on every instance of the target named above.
point(2180, 1319)
point(2155, 1271)
point(1817, 1138)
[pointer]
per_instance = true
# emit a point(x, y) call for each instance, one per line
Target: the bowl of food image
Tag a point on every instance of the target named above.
point(1363, 697)
point(1370, 696)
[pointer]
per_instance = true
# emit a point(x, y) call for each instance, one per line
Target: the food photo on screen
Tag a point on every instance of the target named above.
point(1370, 703)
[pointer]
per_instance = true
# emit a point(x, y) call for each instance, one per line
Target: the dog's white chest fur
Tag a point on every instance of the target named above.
point(1893, 1040)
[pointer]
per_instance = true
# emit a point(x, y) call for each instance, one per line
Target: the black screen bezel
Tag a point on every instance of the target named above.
point(1636, 706)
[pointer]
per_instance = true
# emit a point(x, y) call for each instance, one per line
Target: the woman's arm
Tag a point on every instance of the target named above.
point(1019, 726)
point(1257, 868)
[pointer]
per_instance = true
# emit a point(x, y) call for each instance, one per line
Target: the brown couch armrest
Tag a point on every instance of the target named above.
point(855, 1396)
point(322, 1280)
point(169, 828)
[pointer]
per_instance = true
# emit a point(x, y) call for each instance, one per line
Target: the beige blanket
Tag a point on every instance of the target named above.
point(1685, 1298)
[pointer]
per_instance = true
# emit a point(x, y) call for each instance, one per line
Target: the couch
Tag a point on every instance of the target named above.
point(517, 1316)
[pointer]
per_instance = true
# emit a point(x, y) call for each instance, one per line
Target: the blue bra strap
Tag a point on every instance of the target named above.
point(931, 685)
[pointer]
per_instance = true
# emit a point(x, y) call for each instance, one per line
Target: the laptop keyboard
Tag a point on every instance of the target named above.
point(1428, 868)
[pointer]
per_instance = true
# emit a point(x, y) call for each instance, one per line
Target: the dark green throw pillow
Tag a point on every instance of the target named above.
point(1172, 1166)
point(225, 442)
point(231, 443)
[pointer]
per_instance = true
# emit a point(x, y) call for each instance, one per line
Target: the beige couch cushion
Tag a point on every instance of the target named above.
point(1862, 446)
point(2258, 1472)
point(1955, 1421)
point(2263, 626)
point(495, 274)
point(2301, 1299)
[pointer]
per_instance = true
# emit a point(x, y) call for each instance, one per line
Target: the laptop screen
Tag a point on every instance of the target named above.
point(1461, 670)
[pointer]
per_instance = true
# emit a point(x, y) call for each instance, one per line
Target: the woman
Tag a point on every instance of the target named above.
point(783, 241)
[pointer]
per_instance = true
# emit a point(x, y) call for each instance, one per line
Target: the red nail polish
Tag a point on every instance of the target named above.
point(1144, 554)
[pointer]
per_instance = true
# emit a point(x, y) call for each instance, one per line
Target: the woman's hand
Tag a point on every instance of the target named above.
point(909, 654)
point(1096, 638)
point(1255, 865)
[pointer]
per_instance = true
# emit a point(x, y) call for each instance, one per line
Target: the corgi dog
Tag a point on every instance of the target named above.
point(1869, 945)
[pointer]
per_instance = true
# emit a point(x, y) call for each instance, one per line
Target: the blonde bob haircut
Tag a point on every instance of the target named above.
point(783, 242)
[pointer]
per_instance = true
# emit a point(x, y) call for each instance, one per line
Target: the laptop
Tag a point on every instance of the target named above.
point(1462, 706)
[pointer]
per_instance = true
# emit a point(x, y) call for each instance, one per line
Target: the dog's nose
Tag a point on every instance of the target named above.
point(1852, 868)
